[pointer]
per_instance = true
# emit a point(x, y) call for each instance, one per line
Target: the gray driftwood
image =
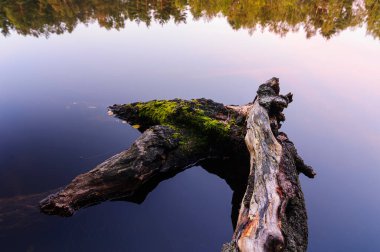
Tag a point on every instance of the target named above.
point(272, 216)
point(241, 144)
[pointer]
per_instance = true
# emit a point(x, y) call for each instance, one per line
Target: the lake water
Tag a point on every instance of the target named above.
point(63, 63)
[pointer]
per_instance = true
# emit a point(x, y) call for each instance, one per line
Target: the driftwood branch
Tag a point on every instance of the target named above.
point(176, 135)
point(241, 144)
point(273, 196)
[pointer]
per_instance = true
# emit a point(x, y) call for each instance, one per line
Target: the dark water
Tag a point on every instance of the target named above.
point(53, 123)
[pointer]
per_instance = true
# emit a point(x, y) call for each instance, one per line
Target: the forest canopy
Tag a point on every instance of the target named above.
point(45, 17)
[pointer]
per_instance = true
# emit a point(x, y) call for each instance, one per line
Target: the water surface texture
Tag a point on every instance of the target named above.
point(63, 62)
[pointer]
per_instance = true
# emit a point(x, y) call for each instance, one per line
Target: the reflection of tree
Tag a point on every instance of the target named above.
point(280, 17)
point(327, 17)
point(43, 17)
point(373, 17)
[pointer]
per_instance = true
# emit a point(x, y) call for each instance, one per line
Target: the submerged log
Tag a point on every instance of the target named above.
point(20, 211)
point(241, 144)
point(176, 135)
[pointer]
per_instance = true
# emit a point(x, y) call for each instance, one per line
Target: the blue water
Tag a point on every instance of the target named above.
point(54, 125)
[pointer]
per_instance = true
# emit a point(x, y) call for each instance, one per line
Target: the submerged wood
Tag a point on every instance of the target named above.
point(241, 144)
point(20, 211)
point(176, 135)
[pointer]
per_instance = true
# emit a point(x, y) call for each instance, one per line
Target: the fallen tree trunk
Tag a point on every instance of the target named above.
point(176, 135)
point(273, 193)
point(179, 134)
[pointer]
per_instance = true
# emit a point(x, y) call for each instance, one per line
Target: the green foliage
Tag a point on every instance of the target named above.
point(44, 17)
point(373, 17)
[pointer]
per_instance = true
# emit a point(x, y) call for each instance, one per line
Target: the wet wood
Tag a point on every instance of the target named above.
point(192, 132)
point(241, 144)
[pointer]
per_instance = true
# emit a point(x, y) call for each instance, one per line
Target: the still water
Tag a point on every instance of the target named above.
point(63, 62)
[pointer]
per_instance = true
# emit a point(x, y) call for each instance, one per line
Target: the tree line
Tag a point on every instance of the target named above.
point(325, 17)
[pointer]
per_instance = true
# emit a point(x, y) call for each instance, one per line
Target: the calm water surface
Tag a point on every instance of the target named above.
point(62, 65)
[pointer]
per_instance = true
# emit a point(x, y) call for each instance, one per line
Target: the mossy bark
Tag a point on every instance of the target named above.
point(176, 135)
point(241, 144)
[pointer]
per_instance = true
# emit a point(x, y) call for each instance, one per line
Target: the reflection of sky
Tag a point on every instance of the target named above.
point(49, 88)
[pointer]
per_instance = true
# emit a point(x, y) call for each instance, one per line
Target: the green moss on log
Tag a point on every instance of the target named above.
point(197, 123)
point(181, 114)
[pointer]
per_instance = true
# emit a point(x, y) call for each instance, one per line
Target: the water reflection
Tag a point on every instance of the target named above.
point(49, 133)
point(44, 17)
point(22, 211)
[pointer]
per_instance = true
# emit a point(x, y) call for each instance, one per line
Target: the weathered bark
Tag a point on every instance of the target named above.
point(241, 144)
point(272, 215)
point(191, 131)
point(154, 153)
